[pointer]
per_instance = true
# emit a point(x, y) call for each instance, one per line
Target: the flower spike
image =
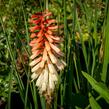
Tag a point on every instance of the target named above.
point(46, 55)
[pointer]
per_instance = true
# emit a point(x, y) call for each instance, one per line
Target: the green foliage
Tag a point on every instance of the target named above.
point(99, 87)
point(4, 87)
point(106, 50)
point(86, 35)
point(93, 102)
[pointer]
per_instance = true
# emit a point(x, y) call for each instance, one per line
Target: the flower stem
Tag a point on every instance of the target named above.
point(46, 4)
point(48, 106)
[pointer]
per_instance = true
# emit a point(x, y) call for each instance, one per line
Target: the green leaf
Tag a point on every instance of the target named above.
point(93, 103)
point(99, 87)
point(106, 50)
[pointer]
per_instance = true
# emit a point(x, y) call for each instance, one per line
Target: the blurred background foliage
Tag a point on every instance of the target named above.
point(85, 82)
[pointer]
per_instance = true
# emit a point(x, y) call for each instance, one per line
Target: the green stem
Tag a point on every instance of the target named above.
point(46, 4)
point(48, 106)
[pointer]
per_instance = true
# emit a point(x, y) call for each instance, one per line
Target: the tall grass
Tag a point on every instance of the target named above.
point(84, 82)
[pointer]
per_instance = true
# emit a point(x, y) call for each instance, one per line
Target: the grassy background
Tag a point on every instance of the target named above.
point(84, 84)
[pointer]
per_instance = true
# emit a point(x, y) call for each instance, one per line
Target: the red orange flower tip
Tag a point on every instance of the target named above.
point(32, 29)
point(50, 21)
point(33, 35)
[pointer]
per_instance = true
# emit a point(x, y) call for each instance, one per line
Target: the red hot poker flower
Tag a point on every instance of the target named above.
point(46, 54)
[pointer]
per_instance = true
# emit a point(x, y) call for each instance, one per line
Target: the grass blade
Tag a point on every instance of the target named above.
point(106, 50)
point(93, 102)
point(10, 89)
point(99, 87)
